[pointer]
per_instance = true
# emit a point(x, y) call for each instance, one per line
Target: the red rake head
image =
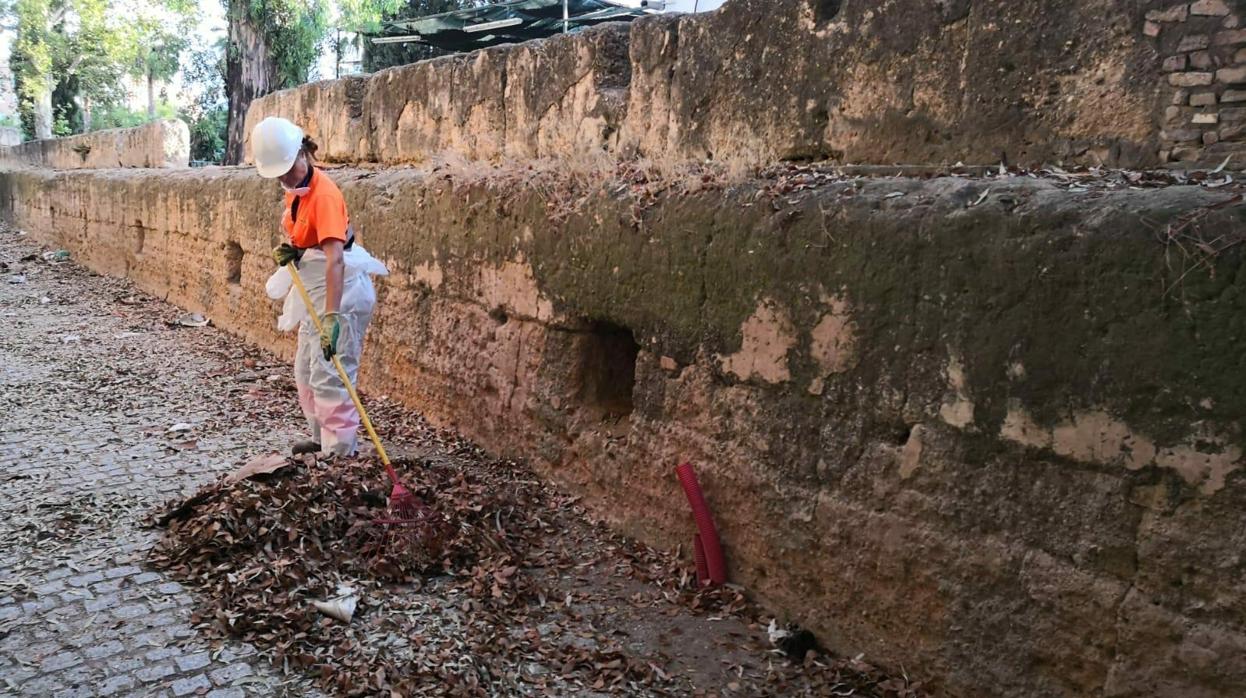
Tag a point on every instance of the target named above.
point(405, 506)
point(411, 526)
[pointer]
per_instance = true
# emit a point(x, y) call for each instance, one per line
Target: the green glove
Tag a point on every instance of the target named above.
point(285, 253)
point(331, 327)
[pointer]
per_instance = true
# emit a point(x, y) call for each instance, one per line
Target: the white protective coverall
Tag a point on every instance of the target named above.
point(332, 416)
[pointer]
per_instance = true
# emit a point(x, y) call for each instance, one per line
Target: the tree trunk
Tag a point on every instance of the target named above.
point(86, 114)
point(43, 115)
point(250, 72)
point(151, 95)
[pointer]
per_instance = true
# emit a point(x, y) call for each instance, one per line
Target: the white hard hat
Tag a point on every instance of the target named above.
point(276, 143)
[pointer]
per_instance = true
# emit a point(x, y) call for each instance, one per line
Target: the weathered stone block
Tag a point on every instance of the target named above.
point(1198, 79)
point(1204, 119)
point(1233, 96)
point(1201, 60)
point(1210, 8)
point(1230, 38)
point(330, 111)
point(1178, 13)
point(1181, 135)
point(1193, 42)
point(1234, 114)
point(164, 144)
point(1174, 64)
point(1234, 75)
point(1203, 99)
point(1186, 154)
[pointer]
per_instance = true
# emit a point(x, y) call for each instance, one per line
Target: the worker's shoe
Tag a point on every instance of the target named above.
point(301, 447)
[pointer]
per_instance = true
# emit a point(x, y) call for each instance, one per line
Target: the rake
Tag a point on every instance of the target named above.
point(404, 507)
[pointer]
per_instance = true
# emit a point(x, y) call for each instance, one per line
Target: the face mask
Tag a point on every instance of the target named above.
point(297, 191)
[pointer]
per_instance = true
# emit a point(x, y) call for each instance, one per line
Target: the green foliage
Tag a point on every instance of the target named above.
point(61, 125)
point(153, 49)
point(78, 51)
point(66, 115)
point(208, 134)
point(293, 31)
point(32, 51)
point(31, 57)
point(208, 114)
point(365, 16)
point(206, 71)
point(121, 116)
point(91, 55)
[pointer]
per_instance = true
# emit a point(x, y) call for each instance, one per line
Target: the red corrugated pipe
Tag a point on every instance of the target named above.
point(705, 525)
point(698, 554)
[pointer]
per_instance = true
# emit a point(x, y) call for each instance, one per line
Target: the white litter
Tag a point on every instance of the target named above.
point(340, 607)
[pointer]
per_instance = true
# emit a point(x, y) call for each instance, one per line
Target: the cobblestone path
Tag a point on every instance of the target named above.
point(107, 410)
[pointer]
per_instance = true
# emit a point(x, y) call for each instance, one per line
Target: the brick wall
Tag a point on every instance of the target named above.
point(1202, 46)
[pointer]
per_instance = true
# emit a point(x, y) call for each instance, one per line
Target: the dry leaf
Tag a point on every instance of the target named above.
point(257, 466)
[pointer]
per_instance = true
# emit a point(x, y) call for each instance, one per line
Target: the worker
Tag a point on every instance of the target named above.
point(336, 271)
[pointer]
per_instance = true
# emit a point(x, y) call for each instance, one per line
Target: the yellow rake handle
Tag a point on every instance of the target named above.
point(341, 372)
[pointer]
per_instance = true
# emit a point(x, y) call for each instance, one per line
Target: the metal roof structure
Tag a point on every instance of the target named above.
point(512, 22)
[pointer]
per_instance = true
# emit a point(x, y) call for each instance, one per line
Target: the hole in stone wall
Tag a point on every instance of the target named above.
point(826, 10)
point(608, 368)
point(899, 433)
point(233, 262)
point(499, 316)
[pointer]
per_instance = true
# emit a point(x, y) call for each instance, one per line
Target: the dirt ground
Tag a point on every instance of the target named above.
point(114, 409)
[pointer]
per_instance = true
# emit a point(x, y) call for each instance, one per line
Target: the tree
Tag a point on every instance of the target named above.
point(155, 35)
point(154, 55)
point(64, 59)
point(208, 112)
point(87, 63)
point(32, 63)
point(272, 45)
point(70, 56)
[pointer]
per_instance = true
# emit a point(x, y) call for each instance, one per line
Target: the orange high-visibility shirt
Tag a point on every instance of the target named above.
point(321, 214)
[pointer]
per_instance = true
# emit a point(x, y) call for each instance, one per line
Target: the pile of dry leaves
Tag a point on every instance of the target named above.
point(510, 591)
point(263, 550)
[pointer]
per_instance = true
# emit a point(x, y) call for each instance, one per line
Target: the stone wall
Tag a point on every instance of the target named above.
point(909, 81)
point(1203, 45)
point(157, 144)
point(538, 99)
point(991, 438)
